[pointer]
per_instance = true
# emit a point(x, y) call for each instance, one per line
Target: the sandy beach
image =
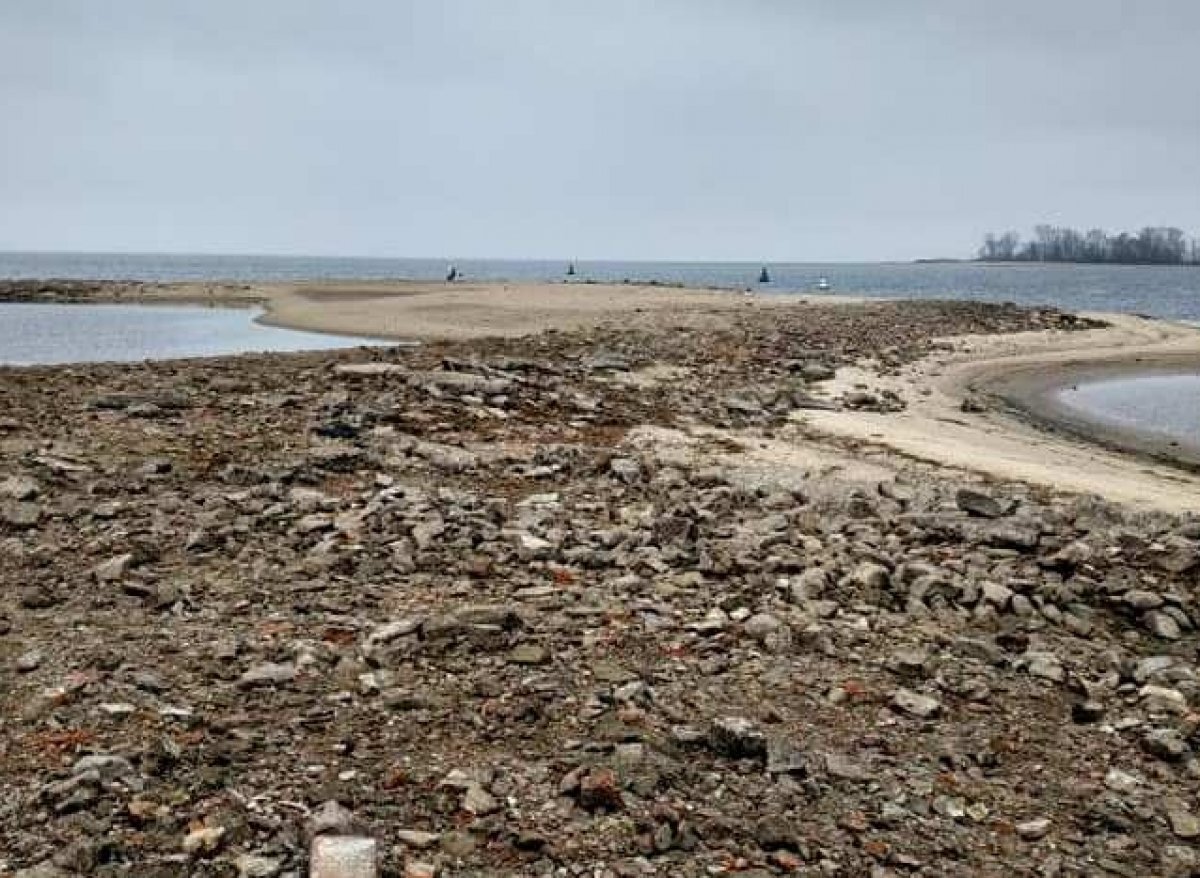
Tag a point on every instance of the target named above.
point(1018, 434)
point(412, 310)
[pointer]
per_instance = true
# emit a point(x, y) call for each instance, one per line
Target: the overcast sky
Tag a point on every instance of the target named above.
point(657, 129)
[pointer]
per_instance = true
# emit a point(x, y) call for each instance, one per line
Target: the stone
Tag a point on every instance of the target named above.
point(457, 843)
point(331, 818)
point(1121, 781)
point(368, 370)
point(1184, 824)
point(1152, 666)
point(38, 597)
point(1141, 599)
point(344, 856)
point(30, 661)
point(267, 674)
point(19, 488)
point(108, 766)
point(775, 832)
point(417, 839)
point(598, 789)
point(1033, 830)
point(979, 504)
point(783, 757)
point(113, 569)
point(915, 704)
point(20, 515)
point(477, 800)
point(204, 840)
point(911, 663)
point(254, 866)
point(1163, 699)
point(1163, 625)
point(1045, 666)
point(42, 870)
point(626, 469)
point(606, 671)
point(1166, 744)
point(1089, 711)
point(996, 594)
point(737, 738)
point(529, 654)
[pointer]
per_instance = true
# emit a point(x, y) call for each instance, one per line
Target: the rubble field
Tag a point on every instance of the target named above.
point(545, 606)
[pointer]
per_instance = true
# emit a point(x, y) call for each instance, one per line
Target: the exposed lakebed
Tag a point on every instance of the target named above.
point(47, 334)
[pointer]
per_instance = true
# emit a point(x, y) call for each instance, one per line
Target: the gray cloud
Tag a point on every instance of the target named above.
point(760, 129)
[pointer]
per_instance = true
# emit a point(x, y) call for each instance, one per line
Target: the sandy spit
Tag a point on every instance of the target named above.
point(1000, 441)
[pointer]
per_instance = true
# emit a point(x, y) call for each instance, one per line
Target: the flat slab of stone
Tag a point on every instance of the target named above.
point(344, 856)
point(368, 370)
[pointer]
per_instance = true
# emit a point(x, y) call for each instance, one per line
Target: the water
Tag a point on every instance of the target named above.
point(75, 333)
point(1170, 292)
point(1165, 404)
point(37, 334)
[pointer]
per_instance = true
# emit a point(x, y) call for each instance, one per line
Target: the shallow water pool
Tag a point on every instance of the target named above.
point(46, 334)
point(1168, 405)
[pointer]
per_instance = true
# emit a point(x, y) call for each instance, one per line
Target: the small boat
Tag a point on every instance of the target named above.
point(823, 285)
point(764, 277)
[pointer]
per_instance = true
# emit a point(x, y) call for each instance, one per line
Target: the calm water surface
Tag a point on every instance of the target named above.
point(1166, 404)
point(1171, 292)
point(37, 334)
point(74, 333)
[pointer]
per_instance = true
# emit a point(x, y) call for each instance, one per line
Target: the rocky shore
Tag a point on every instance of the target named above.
point(582, 603)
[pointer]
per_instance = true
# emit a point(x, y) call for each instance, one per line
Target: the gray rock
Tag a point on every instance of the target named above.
point(1033, 830)
point(1162, 625)
point(344, 856)
point(626, 469)
point(1163, 699)
point(737, 738)
point(783, 757)
point(1166, 744)
point(915, 704)
point(1141, 599)
point(477, 800)
point(20, 515)
point(1183, 823)
point(267, 674)
point(978, 503)
point(996, 594)
point(253, 866)
point(1046, 666)
point(19, 488)
point(113, 569)
point(331, 818)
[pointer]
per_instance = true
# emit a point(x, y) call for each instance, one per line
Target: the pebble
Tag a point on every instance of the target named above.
point(267, 674)
point(1033, 830)
point(915, 704)
point(1184, 824)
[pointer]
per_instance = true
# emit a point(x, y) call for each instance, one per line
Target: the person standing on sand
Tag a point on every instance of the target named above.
point(452, 275)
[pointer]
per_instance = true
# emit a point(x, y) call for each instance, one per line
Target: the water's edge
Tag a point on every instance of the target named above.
point(1036, 397)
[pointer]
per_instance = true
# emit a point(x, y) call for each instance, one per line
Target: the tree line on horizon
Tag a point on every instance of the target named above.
point(1153, 245)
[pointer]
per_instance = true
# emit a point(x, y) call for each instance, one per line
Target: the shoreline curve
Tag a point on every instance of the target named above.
point(1000, 439)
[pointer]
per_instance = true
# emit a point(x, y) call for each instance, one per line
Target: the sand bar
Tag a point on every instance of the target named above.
point(1002, 441)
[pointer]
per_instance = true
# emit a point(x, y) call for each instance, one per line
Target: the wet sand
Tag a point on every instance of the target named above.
point(1036, 394)
point(1018, 435)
